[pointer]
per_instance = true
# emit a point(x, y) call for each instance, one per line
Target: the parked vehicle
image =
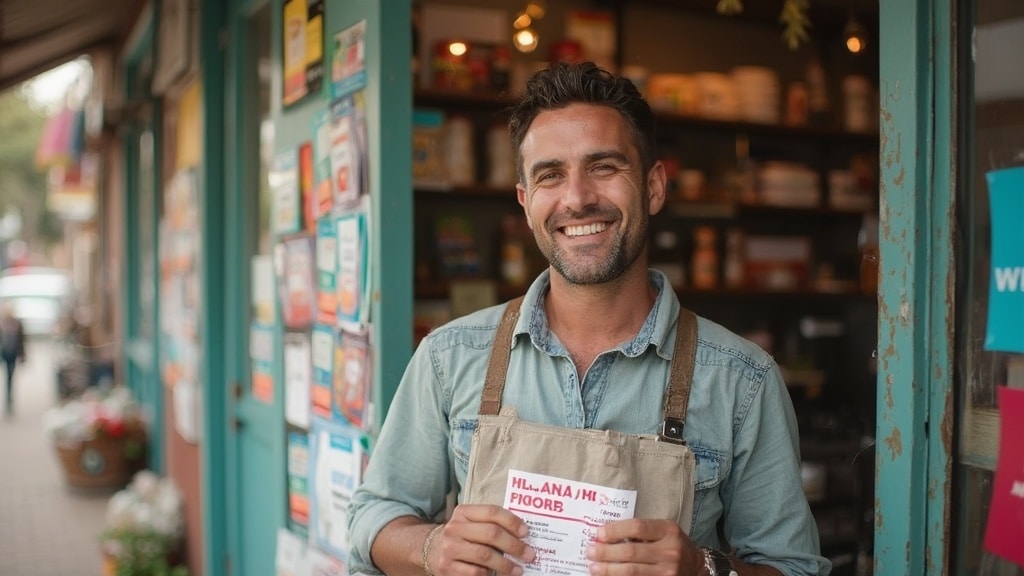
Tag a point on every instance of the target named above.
point(40, 297)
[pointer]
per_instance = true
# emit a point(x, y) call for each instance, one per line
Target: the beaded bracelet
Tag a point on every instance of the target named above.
point(426, 548)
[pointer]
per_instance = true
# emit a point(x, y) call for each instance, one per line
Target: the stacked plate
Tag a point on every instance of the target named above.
point(717, 96)
point(788, 184)
point(758, 92)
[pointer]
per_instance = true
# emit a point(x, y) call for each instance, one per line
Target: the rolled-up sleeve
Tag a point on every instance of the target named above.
point(408, 473)
point(767, 518)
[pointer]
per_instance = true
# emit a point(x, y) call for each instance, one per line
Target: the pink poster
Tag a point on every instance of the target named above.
point(1006, 514)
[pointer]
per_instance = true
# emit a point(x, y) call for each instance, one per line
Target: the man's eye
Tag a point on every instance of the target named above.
point(604, 168)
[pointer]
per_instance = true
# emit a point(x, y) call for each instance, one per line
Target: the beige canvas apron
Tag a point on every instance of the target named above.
point(660, 468)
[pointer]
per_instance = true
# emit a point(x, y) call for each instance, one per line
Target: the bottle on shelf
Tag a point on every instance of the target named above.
point(514, 269)
point(704, 274)
point(734, 272)
point(459, 157)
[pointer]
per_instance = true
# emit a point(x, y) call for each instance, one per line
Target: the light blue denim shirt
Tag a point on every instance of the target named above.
point(739, 423)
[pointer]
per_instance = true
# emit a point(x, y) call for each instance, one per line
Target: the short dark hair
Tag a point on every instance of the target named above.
point(563, 84)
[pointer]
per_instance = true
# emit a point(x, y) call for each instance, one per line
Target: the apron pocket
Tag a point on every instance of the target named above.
point(462, 441)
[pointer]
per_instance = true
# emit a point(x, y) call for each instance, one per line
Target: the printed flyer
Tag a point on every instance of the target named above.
point(297, 379)
point(352, 378)
point(302, 42)
point(1006, 513)
point(348, 152)
point(322, 190)
point(323, 368)
point(326, 270)
point(298, 481)
point(563, 516)
point(306, 187)
point(296, 286)
point(336, 456)
point(1006, 283)
point(351, 276)
point(261, 356)
point(348, 70)
point(284, 185)
point(290, 558)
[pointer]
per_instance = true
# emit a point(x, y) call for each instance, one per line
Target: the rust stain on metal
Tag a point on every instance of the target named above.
point(879, 519)
point(898, 180)
point(889, 402)
point(895, 443)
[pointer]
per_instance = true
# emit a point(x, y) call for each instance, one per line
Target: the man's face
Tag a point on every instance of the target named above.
point(584, 195)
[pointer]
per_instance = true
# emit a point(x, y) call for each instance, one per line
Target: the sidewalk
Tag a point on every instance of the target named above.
point(45, 528)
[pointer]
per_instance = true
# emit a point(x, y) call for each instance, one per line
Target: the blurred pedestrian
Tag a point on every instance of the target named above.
point(12, 348)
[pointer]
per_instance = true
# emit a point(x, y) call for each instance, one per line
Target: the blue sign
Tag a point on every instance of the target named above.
point(1006, 281)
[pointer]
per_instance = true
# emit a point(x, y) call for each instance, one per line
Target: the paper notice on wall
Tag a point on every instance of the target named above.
point(1006, 281)
point(1006, 513)
point(291, 558)
point(563, 516)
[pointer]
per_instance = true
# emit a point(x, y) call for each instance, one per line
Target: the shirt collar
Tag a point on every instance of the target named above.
point(656, 330)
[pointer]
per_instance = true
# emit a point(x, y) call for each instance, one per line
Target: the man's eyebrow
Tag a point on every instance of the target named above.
point(606, 155)
point(544, 165)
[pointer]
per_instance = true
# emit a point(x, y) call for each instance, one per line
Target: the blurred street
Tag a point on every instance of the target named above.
point(45, 528)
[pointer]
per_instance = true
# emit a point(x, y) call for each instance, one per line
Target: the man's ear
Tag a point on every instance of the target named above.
point(656, 187)
point(522, 198)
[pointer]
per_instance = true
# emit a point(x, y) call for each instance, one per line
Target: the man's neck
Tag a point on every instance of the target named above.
point(605, 314)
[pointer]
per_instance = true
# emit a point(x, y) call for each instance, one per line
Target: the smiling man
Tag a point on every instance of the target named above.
point(591, 346)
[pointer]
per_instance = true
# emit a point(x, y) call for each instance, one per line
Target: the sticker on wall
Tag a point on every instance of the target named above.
point(284, 185)
point(348, 69)
point(297, 282)
point(348, 151)
point(326, 270)
point(1006, 280)
point(353, 378)
point(352, 272)
point(261, 358)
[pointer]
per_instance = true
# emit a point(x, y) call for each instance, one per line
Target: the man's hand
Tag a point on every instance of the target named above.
point(642, 548)
point(475, 541)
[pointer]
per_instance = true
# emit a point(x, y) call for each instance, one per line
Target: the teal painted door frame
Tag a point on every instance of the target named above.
point(915, 418)
point(141, 355)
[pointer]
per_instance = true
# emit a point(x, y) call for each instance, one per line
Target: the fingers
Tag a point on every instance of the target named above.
point(633, 547)
point(478, 537)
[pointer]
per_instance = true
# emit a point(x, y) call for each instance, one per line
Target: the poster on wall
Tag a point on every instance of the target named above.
point(323, 369)
point(302, 43)
point(323, 191)
point(181, 300)
point(291, 557)
point(1006, 512)
point(297, 378)
point(348, 151)
point(306, 189)
point(1006, 282)
point(351, 279)
point(336, 470)
point(348, 69)
point(261, 356)
point(326, 270)
point(297, 281)
point(353, 378)
point(298, 481)
point(284, 185)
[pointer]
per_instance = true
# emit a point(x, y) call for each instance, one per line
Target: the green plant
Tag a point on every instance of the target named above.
point(142, 552)
point(793, 18)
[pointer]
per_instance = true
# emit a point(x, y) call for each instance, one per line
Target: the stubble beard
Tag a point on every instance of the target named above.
point(580, 268)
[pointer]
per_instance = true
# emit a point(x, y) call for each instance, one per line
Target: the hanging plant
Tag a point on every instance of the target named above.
point(793, 18)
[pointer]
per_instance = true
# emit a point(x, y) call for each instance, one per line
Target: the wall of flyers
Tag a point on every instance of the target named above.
point(321, 215)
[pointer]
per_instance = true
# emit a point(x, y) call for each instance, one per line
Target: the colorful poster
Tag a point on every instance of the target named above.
point(261, 357)
point(302, 42)
point(1006, 513)
point(1006, 283)
point(297, 281)
point(323, 190)
point(306, 186)
point(336, 456)
point(347, 152)
point(297, 378)
point(298, 481)
point(326, 270)
point(351, 273)
point(323, 369)
point(348, 70)
point(284, 185)
point(352, 378)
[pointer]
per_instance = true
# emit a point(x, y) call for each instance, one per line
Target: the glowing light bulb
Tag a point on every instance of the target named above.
point(525, 40)
point(457, 48)
point(522, 20)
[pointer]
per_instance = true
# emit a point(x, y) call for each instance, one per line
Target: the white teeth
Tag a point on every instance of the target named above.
point(573, 231)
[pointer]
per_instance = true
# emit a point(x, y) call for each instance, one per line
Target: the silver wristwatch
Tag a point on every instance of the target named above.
point(717, 564)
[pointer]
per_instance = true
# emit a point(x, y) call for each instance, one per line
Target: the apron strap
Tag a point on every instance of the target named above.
point(497, 366)
point(677, 396)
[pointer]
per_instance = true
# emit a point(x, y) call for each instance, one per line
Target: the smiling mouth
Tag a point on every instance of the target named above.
point(585, 229)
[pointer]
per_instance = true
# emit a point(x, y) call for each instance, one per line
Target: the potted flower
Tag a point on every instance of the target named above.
point(144, 529)
point(100, 438)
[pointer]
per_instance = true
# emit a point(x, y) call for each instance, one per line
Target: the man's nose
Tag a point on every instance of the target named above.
point(580, 191)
